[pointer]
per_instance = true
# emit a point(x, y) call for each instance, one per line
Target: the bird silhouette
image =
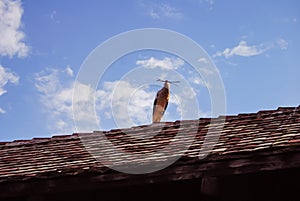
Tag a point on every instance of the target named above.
point(161, 102)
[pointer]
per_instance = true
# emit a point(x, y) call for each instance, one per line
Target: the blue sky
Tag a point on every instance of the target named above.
point(254, 44)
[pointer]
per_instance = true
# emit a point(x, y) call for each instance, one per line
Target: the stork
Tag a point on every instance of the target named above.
point(161, 101)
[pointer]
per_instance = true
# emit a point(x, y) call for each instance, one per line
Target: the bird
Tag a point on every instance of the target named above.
point(161, 101)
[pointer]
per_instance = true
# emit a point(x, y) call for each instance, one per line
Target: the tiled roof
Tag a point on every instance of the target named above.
point(243, 136)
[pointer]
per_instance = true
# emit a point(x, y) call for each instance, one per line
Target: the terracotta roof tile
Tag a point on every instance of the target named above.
point(66, 155)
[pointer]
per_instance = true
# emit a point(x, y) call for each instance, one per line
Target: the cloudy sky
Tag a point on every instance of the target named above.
point(254, 44)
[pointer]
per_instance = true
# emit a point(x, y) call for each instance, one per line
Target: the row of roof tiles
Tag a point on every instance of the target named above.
point(77, 153)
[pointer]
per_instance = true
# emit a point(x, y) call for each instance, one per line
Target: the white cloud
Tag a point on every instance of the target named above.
point(6, 76)
point(203, 60)
point(161, 10)
point(208, 71)
point(56, 97)
point(130, 105)
point(242, 49)
point(288, 20)
point(188, 93)
point(53, 17)
point(210, 3)
point(153, 14)
point(165, 64)
point(11, 36)
point(283, 44)
point(170, 11)
point(140, 106)
point(69, 71)
point(84, 110)
point(126, 103)
point(197, 80)
point(2, 111)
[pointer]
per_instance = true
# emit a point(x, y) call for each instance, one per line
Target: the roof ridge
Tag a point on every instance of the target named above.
point(240, 116)
point(38, 140)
